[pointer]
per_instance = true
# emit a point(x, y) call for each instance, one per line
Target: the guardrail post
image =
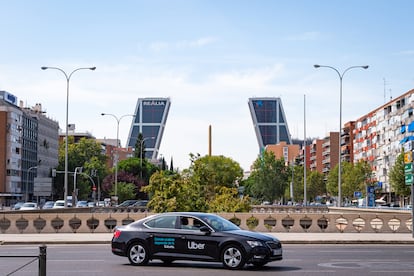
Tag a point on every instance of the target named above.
point(42, 260)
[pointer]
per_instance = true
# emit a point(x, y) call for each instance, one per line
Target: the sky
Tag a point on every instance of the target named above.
point(209, 57)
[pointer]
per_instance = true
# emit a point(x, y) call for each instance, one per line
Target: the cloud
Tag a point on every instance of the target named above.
point(251, 78)
point(303, 36)
point(159, 46)
point(405, 53)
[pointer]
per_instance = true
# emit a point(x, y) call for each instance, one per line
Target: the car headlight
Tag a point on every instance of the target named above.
point(254, 243)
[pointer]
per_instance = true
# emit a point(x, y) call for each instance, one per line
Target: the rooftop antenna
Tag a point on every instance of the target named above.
point(385, 84)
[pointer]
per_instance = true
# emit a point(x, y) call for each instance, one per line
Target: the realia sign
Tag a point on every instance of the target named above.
point(153, 103)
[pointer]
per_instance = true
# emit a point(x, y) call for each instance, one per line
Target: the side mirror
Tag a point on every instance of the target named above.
point(205, 229)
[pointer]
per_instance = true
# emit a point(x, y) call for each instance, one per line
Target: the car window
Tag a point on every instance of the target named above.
point(162, 222)
point(219, 224)
point(190, 223)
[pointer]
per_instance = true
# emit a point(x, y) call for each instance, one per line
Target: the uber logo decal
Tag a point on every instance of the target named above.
point(194, 245)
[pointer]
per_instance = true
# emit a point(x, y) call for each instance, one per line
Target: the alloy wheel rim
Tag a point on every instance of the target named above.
point(137, 254)
point(232, 257)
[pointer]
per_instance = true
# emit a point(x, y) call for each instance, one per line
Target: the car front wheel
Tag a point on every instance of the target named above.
point(233, 257)
point(138, 254)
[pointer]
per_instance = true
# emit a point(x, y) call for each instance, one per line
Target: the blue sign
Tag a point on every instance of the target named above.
point(357, 194)
point(371, 196)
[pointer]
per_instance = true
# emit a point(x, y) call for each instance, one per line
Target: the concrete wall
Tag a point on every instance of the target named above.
point(263, 219)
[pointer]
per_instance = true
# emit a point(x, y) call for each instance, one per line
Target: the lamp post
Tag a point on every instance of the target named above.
point(26, 198)
point(341, 75)
point(67, 123)
point(74, 193)
point(142, 144)
point(118, 120)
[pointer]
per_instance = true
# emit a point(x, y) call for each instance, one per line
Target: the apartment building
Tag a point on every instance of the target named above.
point(28, 151)
point(380, 135)
point(43, 150)
point(10, 148)
point(315, 158)
point(347, 142)
point(285, 151)
point(330, 152)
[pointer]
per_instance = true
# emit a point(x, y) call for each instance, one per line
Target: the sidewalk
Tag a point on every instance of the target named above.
point(285, 238)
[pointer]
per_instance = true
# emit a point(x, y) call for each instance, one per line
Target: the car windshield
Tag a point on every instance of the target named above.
point(218, 223)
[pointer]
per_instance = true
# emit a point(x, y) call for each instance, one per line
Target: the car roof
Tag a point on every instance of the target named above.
point(189, 213)
point(192, 214)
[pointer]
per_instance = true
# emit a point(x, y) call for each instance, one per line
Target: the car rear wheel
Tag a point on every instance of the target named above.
point(138, 254)
point(233, 257)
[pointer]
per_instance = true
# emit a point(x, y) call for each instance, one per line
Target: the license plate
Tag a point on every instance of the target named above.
point(275, 252)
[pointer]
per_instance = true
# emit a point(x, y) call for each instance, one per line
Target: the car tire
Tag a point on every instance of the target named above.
point(138, 254)
point(233, 257)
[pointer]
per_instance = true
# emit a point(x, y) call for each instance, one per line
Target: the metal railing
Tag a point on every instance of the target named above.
point(41, 257)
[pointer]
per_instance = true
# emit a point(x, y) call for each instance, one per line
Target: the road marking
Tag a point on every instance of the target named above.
point(73, 260)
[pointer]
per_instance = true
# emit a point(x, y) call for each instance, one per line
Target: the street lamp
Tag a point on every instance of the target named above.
point(340, 120)
point(67, 123)
point(142, 144)
point(117, 145)
point(74, 193)
point(27, 183)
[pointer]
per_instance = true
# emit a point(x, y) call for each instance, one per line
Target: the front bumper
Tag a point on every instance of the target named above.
point(262, 254)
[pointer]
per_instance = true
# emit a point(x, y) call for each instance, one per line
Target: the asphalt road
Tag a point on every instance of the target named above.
point(326, 259)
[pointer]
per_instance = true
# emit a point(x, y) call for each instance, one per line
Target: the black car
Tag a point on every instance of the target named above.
point(196, 237)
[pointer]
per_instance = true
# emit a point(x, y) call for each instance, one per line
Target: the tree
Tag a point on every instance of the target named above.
point(298, 183)
point(171, 165)
point(173, 192)
point(129, 171)
point(363, 176)
point(209, 184)
point(352, 180)
point(215, 171)
point(227, 200)
point(86, 153)
point(354, 177)
point(271, 177)
point(315, 185)
point(96, 170)
point(332, 181)
point(397, 177)
point(139, 147)
point(125, 191)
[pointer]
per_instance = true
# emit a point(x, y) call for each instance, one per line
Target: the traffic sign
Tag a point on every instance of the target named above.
point(408, 179)
point(408, 168)
point(408, 146)
point(408, 157)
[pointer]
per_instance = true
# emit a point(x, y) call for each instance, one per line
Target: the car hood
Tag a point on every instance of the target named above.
point(254, 235)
